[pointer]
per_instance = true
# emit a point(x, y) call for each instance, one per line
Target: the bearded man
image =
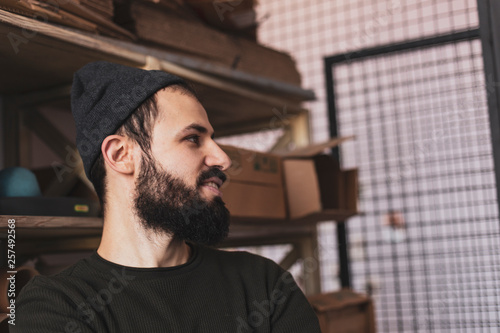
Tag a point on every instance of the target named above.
point(148, 147)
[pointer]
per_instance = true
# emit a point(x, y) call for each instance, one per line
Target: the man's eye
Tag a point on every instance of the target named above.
point(194, 139)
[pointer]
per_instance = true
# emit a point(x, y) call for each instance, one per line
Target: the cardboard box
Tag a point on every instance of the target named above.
point(254, 187)
point(344, 312)
point(292, 185)
point(315, 183)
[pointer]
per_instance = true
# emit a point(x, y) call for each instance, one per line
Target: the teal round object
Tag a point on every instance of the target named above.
point(18, 182)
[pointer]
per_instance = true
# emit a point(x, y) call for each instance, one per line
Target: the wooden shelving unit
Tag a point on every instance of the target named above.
point(38, 71)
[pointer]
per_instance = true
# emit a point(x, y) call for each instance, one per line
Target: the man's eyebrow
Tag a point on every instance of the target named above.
point(196, 127)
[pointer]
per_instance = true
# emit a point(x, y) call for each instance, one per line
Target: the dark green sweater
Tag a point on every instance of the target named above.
point(215, 291)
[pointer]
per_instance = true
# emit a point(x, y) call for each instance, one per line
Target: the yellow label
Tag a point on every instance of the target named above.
point(82, 208)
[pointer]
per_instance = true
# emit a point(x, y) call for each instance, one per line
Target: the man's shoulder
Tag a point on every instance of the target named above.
point(62, 282)
point(241, 261)
point(73, 272)
point(235, 255)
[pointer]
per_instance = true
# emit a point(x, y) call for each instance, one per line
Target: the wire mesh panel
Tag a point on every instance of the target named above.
point(427, 247)
point(311, 30)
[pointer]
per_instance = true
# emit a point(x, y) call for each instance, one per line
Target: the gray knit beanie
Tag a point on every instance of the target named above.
point(103, 95)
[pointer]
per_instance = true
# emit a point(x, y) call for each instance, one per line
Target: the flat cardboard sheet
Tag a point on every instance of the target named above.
point(254, 187)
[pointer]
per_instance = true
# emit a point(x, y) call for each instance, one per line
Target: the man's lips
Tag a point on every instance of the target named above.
point(215, 180)
point(213, 184)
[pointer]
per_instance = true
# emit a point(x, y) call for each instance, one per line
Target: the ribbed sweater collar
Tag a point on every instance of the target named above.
point(101, 264)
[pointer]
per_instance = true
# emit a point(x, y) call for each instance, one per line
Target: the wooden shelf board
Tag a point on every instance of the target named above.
point(51, 222)
point(336, 215)
point(33, 227)
point(39, 227)
point(42, 62)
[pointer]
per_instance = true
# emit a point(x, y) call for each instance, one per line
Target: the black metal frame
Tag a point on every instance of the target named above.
point(489, 27)
point(331, 61)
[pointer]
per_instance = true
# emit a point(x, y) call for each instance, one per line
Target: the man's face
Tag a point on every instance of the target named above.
point(177, 186)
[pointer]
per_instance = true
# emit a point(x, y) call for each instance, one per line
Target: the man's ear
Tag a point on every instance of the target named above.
point(118, 152)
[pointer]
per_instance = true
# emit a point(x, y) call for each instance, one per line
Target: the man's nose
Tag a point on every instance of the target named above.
point(217, 157)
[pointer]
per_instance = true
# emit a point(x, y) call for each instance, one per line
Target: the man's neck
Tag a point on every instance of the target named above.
point(126, 242)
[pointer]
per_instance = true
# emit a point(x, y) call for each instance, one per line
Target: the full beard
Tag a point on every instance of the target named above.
point(165, 204)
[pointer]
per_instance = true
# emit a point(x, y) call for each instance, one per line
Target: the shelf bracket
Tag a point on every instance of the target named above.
point(296, 134)
point(65, 149)
point(290, 258)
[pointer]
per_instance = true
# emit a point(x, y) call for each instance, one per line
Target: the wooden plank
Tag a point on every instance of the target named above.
point(283, 143)
point(203, 65)
point(66, 225)
point(227, 88)
point(70, 36)
point(311, 264)
point(249, 240)
point(283, 231)
point(238, 230)
point(237, 18)
point(300, 129)
point(297, 133)
point(157, 26)
point(39, 11)
point(67, 13)
point(51, 221)
point(104, 25)
point(43, 61)
point(338, 215)
point(291, 258)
